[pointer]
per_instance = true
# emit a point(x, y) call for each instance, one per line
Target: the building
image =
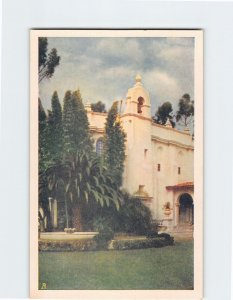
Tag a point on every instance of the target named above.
point(159, 159)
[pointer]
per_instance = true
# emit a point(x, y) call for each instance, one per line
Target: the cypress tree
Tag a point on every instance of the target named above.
point(68, 124)
point(55, 129)
point(114, 139)
point(82, 137)
point(43, 145)
point(75, 125)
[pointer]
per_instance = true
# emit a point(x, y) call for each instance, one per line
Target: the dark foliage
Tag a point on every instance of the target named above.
point(155, 242)
point(114, 141)
point(185, 111)
point(47, 62)
point(164, 112)
point(98, 107)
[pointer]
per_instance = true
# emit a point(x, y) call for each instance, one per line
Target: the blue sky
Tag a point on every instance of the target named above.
point(105, 68)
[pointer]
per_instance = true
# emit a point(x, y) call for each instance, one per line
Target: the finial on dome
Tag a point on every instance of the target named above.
point(138, 78)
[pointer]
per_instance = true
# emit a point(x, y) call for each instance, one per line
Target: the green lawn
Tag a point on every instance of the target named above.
point(156, 268)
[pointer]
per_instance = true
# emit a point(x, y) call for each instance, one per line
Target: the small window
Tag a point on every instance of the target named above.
point(158, 167)
point(145, 152)
point(179, 170)
point(140, 104)
point(100, 146)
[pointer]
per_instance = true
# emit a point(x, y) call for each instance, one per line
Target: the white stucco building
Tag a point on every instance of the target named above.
point(159, 159)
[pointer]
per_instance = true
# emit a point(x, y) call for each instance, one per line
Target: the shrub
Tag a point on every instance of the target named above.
point(140, 243)
point(68, 245)
point(152, 234)
point(134, 216)
point(102, 239)
point(100, 224)
point(105, 232)
point(168, 238)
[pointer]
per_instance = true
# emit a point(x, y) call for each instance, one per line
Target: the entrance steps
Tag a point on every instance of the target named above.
point(182, 232)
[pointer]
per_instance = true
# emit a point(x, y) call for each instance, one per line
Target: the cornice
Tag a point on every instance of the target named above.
point(171, 142)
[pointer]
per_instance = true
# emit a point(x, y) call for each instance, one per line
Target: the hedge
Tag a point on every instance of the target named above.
point(156, 242)
point(72, 245)
point(161, 240)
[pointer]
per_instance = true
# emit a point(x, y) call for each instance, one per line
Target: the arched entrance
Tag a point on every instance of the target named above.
point(186, 210)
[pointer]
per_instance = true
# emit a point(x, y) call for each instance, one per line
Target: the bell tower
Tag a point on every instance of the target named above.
point(137, 123)
point(138, 100)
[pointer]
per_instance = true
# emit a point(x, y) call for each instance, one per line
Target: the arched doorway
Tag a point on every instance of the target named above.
point(186, 210)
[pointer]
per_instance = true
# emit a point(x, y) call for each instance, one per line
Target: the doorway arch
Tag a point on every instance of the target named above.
point(186, 209)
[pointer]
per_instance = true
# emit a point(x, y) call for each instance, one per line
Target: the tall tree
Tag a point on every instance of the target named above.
point(185, 111)
point(44, 162)
point(114, 140)
point(163, 113)
point(55, 129)
point(98, 107)
point(75, 125)
point(43, 138)
point(47, 62)
point(82, 136)
point(68, 125)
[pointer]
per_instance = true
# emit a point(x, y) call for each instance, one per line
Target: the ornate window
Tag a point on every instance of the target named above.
point(99, 146)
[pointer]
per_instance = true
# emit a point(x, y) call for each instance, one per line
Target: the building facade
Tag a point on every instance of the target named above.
point(159, 164)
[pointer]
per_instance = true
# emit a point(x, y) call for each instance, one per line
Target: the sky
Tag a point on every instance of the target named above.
point(105, 68)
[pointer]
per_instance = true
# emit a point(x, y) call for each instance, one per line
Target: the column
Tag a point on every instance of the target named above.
point(55, 213)
point(177, 208)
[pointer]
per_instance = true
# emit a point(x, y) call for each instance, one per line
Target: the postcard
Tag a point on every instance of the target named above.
point(116, 164)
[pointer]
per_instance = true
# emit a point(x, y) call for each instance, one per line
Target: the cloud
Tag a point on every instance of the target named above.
point(104, 68)
point(163, 86)
point(115, 49)
point(175, 53)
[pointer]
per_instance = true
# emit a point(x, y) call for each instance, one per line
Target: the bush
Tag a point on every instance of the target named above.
point(134, 216)
point(106, 233)
point(72, 245)
point(140, 244)
point(169, 239)
point(101, 224)
point(152, 234)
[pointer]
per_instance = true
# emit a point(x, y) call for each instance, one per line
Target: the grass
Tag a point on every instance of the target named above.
point(156, 268)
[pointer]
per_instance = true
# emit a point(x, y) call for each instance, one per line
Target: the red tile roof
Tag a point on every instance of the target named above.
point(188, 184)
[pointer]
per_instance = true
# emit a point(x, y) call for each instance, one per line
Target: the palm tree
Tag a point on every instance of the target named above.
point(89, 184)
point(85, 182)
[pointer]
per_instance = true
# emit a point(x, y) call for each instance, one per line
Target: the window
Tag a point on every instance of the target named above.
point(99, 146)
point(179, 170)
point(140, 103)
point(158, 167)
point(145, 152)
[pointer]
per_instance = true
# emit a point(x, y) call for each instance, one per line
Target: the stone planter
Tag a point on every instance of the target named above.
point(167, 211)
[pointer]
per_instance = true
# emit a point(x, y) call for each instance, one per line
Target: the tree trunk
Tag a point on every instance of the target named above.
point(77, 218)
